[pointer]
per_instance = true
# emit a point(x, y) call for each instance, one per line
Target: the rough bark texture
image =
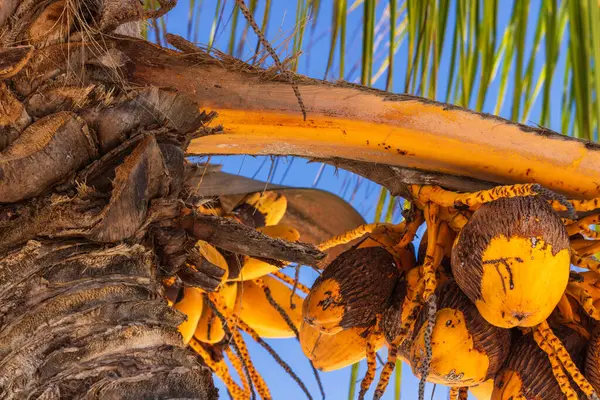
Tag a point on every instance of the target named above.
point(92, 174)
point(238, 238)
point(85, 320)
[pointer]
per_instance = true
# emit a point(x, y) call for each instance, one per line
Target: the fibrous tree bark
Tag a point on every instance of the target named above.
point(91, 171)
point(93, 209)
point(94, 128)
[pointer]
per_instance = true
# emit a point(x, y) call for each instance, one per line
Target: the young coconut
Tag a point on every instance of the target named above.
point(353, 291)
point(260, 209)
point(512, 260)
point(357, 286)
point(210, 328)
point(190, 303)
point(528, 373)
point(484, 390)
point(332, 352)
point(260, 315)
point(465, 349)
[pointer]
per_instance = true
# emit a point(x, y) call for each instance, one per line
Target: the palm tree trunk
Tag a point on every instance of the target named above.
point(84, 320)
point(91, 182)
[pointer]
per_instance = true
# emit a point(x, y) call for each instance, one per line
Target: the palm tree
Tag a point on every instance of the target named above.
point(96, 124)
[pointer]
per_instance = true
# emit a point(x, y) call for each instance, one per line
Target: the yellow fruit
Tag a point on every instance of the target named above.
point(509, 386)
point(256, 311)
point(260, 209)
point(331, 352)
point(484, 390)
point(466, 350)
point(281, 231)
point(213, 256)
point(253, 268)
point(512, 260)
point(191, 305)
point(210, 328)
point(353, 290)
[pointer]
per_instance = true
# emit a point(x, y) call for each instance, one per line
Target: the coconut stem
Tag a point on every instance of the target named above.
point(431, 312)
point(239, 368)
point(446, 198)
point(283, 277)
point(582, 225)
point(413, 223)
point(590, 262)
point(565, 360)
point(557, 370)
point(425, 290)
point(371, 366)
point(220, 369)
point(216, 303)
point(578, 205)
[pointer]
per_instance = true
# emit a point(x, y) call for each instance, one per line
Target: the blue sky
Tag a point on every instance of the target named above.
point(297, 172)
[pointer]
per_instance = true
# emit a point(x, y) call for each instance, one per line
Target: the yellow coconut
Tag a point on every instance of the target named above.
point(512, 260)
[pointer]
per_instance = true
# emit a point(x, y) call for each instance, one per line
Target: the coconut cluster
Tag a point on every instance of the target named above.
point(500, 277)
